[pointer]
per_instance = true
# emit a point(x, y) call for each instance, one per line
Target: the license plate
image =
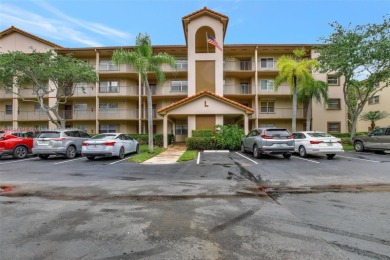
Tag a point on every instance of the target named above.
point(330, 144)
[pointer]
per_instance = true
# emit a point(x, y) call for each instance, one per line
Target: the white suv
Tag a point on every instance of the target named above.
point(59, 142)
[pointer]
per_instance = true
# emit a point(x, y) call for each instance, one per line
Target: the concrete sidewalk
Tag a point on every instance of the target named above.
point(169, 156)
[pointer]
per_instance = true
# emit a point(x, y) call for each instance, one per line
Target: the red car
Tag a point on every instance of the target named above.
point(16, 143)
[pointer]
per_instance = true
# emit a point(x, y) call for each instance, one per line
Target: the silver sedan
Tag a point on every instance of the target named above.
point(109, 144)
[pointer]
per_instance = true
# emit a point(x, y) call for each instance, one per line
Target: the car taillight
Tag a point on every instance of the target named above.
point(289, 137)
point(59, 139)
point(267, 137)
point(315, 142)
point(339, 141)
point(109, 143)
point(84, 144)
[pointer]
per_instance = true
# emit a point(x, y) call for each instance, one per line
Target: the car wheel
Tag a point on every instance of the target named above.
point(330, 156)
point(43, 156)
point(287, 155)
point(91, 158)
point(121, 153)
point(71, 152)
point(359, 147)
point(302, 151)
point(137, 149)
point(20, 152)
point(242, 148)
point(256, 152)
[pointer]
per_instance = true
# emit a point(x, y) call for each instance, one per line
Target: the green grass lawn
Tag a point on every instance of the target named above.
point(188, 156)
point(348, 147)
point(144, 154)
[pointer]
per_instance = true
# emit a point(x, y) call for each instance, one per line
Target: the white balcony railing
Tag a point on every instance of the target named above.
point(278, 113)
point(237, 90)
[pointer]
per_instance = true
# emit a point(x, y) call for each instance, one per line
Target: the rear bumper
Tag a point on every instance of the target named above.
point(324, 151)
point(97, 153)
point(52, 151)
point(277, 150)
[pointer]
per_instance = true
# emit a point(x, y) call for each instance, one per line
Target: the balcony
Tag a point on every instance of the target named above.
point(33, 115)
point(243, 89)
point(238, 66)
point(118, 114)
point(5, 94)
point(168, 91)
point(5, 116)
point(280, 113)
point(144, 114)
point(88, 91)
point(283, 89)
point(108, 67)
point(118, 91)
point(267, 65)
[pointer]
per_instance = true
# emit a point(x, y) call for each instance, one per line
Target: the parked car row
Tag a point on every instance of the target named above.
point(262, 141)
point(68, 143)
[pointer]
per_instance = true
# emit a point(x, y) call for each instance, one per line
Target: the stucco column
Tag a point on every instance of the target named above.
point(165, 130)
point(256, 90)
point(219, 119)
point(191, 124)
point(246, 124)
point(139, 105)
point(97, 101)
point(15, 106)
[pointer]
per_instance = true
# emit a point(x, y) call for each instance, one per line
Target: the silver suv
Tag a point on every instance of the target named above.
point(59, 142)
point(377, 140)
point(268, 141)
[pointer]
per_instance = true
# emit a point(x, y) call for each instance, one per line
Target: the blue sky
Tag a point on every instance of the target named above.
point(93, 23)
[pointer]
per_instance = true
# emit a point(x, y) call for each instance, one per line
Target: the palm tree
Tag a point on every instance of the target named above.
point(295, 70)
point(145, 62)
point(373, 116)
point(312, 90)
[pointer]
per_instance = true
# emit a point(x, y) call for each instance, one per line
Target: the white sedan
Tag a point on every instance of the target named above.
point(315, 142)
point(109, 144)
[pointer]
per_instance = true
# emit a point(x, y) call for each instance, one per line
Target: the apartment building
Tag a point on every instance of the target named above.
point(233, 84)
point(379, 102)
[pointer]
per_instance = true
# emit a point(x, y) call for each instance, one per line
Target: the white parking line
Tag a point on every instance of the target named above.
point(197, 160)
point(70, 160)
point(15, 161)
point(358, 159)
point(119, 161)
point(246, 158)
point(304, 159)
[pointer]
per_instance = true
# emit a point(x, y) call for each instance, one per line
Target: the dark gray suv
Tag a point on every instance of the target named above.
point(268, 141)
point(377, 140)
point(59, 142)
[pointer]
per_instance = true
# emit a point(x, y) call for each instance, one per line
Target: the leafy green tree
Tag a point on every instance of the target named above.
point(312, 90)
point(144, 63)
point(48, 73)
point(229, 136)
point(373, 116)
point(294, 70)
point(358, 53)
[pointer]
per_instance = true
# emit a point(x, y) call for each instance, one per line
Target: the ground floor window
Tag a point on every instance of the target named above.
point(334, 127)
point(181, 129)
point(107, 128)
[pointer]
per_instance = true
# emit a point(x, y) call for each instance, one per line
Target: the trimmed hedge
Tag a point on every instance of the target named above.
point(158, 139)
point(202, 133)
point(200, 143)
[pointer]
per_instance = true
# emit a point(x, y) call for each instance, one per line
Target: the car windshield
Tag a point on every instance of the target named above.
point(49, 135)
point(277, 132)
point(319, 134)
point(1, 134)
point(104, 137)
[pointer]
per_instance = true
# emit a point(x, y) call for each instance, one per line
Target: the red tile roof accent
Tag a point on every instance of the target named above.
point(203, 93)
point(14, 29)
point(204, 9)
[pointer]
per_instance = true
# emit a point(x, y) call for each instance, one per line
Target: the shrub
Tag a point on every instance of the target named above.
point(158, 139)
point(228, 136)
point(202, 133)
point(200, 143)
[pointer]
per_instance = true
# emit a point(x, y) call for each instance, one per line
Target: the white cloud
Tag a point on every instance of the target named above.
point(57, 26)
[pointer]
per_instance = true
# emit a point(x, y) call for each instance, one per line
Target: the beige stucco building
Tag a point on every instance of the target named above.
point(379, 102)
point(234, 85)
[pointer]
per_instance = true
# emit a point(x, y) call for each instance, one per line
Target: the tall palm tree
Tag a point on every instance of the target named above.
point(295, 70)
point(373, 116)
point(144, 63)
point(312, 90)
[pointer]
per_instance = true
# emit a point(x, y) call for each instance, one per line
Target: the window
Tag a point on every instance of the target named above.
point(109, 87)
point(81, 87)
point(267, 125)
point(179, 86)
point(334, 103)
point(82, 127)
point(8, 109)
point(333, 80)
point(107, 128)
point(182, 64)
point(108, 106)
point(245, 88)
point(107, 65)
point(181, 129)
point(267, 63)
point(245, 65)
point(80, 107)
point(267, 106)
point(267, 85)
point(334, 127)
point(38, 108)
point(378, 132)
point(373, 100)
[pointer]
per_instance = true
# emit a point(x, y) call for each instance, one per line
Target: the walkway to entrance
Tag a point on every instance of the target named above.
point(171, 155)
